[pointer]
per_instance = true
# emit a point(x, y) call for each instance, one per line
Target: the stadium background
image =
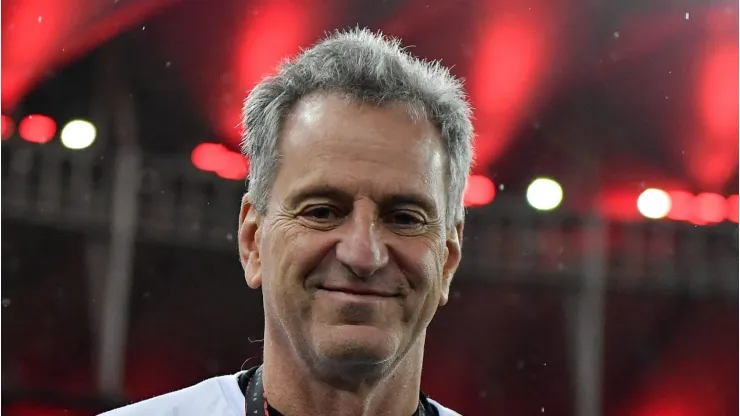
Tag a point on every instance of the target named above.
point(607, 287)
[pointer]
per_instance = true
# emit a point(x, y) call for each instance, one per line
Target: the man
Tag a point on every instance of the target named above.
point(352, 227)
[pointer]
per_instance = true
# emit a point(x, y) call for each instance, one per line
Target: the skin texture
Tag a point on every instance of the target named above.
point(353, 257)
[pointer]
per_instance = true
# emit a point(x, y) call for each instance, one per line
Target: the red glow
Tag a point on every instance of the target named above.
point(515, 42)
point(30, 29)
point(710, 208)
point(618, 204)
point(277, 32)
point(207, 156)
point(696, 220)
point(719, 86)
point(272, 37)
point(36, 128)
point(7, 127)
point(478, 191)
point(38, 35)
point(234, 166)
point(681, 205)
point(668, 407)
point(712, 154)
point(695, 375)
point(503, 78)
point(214, 157)
point(732, 208)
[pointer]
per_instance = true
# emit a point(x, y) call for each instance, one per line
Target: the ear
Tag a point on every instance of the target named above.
point(249, 235)
point(454, 254)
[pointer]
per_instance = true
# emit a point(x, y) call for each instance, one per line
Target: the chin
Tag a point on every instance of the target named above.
point(356, 349)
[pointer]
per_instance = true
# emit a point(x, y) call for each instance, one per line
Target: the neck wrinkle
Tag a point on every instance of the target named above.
point(293, 390)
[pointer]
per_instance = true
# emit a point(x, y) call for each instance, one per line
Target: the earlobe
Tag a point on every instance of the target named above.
point(452, 261)
point(249, 235)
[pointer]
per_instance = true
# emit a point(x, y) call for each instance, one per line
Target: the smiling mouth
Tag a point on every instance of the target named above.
point(358, 292)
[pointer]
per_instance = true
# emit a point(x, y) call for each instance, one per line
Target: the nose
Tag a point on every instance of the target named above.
point(360, 248)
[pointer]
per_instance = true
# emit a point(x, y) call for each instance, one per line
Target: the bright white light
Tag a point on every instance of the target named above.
point(654, 203)
point(544, 194)
point(78, 134)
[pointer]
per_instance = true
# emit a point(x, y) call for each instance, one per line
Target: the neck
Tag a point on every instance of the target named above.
point(294, 388)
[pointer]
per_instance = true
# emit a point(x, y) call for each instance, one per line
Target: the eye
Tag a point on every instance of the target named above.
point(321, 213)
point(405, 219)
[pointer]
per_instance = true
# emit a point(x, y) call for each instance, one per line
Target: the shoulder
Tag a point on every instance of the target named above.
point(218, 396)
point(443, 411)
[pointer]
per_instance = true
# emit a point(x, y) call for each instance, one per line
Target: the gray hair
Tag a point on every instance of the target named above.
point(367, 67)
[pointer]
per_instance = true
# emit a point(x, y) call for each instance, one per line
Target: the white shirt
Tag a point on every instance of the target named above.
point(218, 396)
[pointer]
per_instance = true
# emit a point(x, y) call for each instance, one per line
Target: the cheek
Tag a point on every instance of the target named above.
point(432, 264)
point(281, 261)
point(290, 252)
point(425, 259)
point(422, 261)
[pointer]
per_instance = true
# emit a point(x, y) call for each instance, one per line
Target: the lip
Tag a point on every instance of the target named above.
point(353, 298)
point(357, 292)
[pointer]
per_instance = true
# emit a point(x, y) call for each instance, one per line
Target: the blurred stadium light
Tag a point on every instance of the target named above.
point(8, 125)
point(544, 194)
point(37, 128)
point(654, 203)
point(479, 190)
point(78, 134)
point(216, 158)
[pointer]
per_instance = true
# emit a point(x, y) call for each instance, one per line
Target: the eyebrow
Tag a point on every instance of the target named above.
point(318, 191)
point(410, 199)
point(336, 194)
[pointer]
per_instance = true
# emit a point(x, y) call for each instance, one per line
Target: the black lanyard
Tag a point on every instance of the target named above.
point(255, 401)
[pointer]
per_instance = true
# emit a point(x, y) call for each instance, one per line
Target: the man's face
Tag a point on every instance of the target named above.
point(353, 254)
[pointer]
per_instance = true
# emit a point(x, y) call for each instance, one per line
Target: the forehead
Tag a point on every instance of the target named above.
point(361, 148)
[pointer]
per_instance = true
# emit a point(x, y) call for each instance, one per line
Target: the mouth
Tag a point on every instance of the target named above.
point(357, 292)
